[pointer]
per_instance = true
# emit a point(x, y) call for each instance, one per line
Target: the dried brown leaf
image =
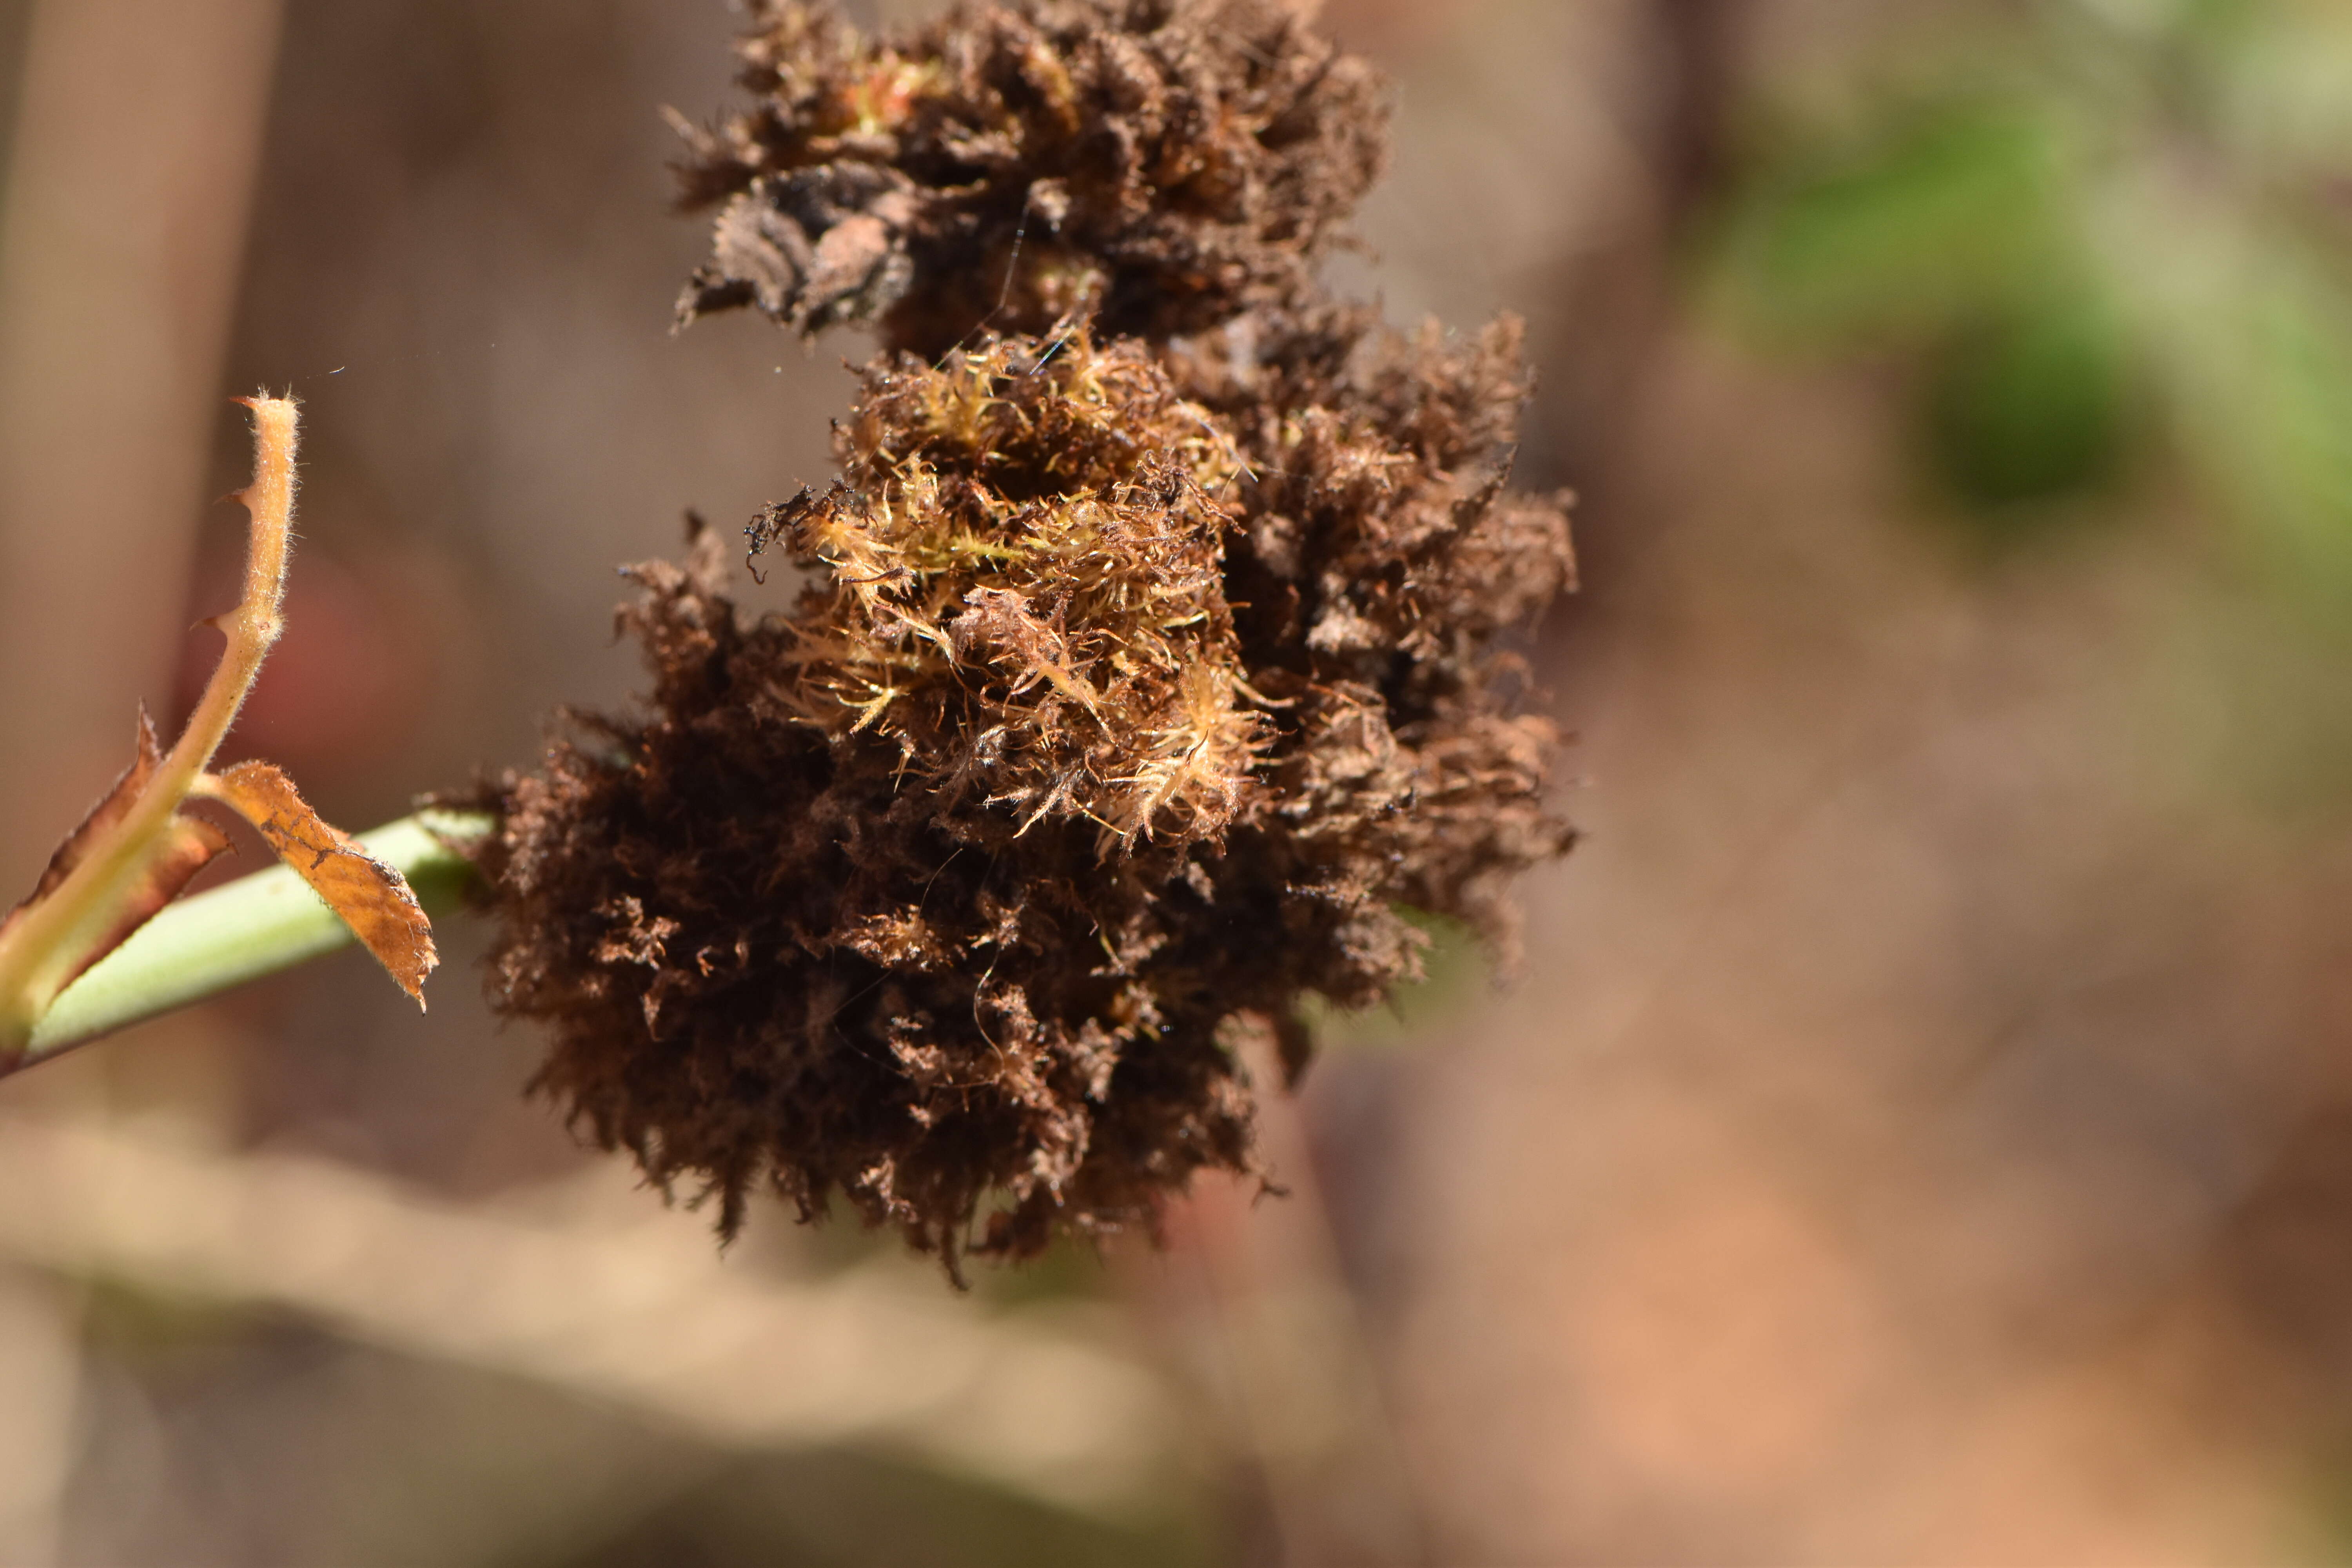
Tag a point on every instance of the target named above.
point(188, 845)
point(374, 899)
point(110, 810)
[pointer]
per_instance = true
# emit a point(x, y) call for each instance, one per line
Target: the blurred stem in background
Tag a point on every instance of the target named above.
point(1620, 301)
point(130, 181)
point(135, 136)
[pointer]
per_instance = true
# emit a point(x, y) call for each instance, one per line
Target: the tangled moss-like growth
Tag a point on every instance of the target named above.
point(1140, 679)
point(1159, 164)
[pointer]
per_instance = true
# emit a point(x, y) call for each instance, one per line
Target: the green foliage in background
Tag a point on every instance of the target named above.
point(2110, 243)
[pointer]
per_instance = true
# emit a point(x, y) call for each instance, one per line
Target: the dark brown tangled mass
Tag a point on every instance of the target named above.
point(1151, 661)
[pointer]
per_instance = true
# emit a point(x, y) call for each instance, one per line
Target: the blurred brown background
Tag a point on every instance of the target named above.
point(1920, 1130)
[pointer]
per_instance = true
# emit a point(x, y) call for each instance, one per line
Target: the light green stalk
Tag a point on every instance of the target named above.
point(243, 930)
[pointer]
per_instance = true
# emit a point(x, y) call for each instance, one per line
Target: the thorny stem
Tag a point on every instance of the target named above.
point(243, 930)
point(40, 953)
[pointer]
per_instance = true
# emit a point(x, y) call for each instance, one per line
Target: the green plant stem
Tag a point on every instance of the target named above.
point(243, 930)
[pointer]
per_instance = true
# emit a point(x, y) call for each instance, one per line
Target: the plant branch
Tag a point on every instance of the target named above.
point(253, 627)
point(243, 930)
point(53, 939)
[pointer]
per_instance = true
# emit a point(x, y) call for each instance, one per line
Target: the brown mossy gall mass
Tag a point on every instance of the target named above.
point(1162, 166)
point(1149, 659)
